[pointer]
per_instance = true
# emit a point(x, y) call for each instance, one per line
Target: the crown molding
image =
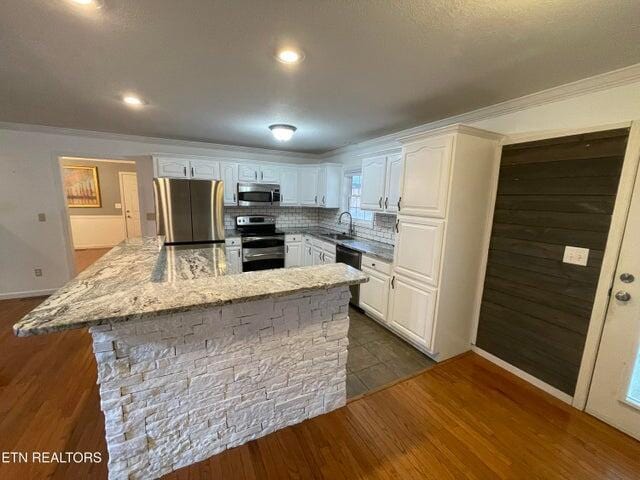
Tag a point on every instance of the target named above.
point(455, 128)
point(26, 127)
point(596, 83)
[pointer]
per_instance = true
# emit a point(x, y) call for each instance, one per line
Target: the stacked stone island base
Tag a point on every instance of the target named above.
point(181, 387)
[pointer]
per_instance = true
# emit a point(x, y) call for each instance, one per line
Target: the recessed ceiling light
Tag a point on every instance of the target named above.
point(281, 132)
point(289, 56)
point(133, 100)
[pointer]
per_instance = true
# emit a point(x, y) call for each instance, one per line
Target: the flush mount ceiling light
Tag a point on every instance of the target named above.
point(133, 100)
point(289, 56)
point(88, 3)
point(281, 132)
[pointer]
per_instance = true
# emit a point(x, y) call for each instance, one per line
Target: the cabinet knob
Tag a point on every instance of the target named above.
point(623, 296)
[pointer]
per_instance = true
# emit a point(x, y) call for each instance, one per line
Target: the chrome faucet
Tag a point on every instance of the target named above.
point(350, 221)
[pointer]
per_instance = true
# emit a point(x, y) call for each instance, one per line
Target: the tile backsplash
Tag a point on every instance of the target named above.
point(382, 229)
point(285, 216)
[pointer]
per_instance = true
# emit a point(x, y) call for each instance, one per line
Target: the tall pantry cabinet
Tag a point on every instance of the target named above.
point(442, 226)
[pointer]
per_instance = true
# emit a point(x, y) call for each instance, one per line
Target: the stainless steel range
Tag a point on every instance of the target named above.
point(262, 244)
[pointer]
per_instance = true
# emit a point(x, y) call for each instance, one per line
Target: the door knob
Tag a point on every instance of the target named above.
point(623, 296)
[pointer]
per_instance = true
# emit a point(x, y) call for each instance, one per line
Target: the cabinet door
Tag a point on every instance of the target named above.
point(411, 310)
point(425, 180)
point(317, 255)
point(393, 179)
point(229, 175)
point(289, 186)
point(270, 173)
point(204, 169)
point(234, 259)
point(308, 254)
point(418, 248)
point(172, 167)
point(308, 186)
point(328, 257)
point(248, 173)
point(374, 295)
point(330, 186)
point(373, 183)
point(293, 254)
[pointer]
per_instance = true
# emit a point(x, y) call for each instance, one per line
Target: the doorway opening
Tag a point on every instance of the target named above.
point(102, 205)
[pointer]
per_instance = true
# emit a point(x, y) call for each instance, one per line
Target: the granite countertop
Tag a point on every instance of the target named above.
point(139, 279)
point(379, 250)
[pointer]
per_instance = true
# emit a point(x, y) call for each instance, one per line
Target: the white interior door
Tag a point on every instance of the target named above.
point(130, 203)
point(614, 395)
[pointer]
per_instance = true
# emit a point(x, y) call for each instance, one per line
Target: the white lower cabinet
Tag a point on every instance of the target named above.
point(322, 252)
point(412, 309)
point(374, 295)
point(307, 251)
point(234, 259)
point(293, 251)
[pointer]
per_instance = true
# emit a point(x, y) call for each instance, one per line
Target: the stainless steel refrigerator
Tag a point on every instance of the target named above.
point(189, 211)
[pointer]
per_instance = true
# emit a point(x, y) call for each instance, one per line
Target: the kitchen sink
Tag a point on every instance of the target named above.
point(337, 236)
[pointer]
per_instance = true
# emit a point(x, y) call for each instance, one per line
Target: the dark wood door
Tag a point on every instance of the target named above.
point(552, 193)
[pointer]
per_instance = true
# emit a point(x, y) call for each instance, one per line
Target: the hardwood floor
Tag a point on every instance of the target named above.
point(465, 418)
point(86, 257)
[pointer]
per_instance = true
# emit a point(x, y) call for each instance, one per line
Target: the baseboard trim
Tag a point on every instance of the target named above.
point(27, 294)
point(98, 245)
point(524, 375)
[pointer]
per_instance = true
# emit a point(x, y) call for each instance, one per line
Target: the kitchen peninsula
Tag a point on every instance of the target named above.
point(192, 361)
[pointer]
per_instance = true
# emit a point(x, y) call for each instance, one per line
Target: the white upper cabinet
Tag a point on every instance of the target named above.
point(329, 186)
point(229, 175)
point(204, 169)
point(393, 179)
point(270, 173)
point(172, 167)
point(289, 186)
point(418, 248)
point(248, 172)
point(259, 173)
point(381, 177)
point(425, 180)
point(373, 183)
point(308, 186)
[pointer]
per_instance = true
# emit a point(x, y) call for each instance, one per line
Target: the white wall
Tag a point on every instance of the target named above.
point(97, 231)
point(594, 108)
point(30, 184)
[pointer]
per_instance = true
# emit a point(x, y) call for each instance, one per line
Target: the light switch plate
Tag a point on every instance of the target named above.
point(118, 205)
point(576, 255)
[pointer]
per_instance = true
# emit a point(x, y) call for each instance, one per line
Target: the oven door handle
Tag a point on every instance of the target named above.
point(270, 237)
point(258, 256)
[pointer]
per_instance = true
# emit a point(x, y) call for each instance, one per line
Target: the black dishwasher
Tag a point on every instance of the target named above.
point(353, 258)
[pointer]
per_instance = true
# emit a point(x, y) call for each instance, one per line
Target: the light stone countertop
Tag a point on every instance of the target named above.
point(140, 279)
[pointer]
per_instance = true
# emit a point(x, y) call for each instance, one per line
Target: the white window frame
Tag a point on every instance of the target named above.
point(346, 194)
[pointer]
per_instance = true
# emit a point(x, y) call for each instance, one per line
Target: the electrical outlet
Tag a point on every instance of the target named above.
point(151, 216)
point(576, 255)
point(42, 217)
point(38, 272)
point(117, 206)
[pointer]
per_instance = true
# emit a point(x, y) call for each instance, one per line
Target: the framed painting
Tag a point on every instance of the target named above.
point(81, 186)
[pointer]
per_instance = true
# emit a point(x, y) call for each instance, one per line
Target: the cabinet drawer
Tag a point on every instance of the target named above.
point(293, 238)
point(375, 264)
point(232, 242)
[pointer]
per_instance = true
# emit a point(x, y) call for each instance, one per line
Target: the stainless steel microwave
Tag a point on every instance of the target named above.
point(258, 194)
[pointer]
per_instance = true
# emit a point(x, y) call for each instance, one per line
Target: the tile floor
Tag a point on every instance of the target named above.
point(378, 357)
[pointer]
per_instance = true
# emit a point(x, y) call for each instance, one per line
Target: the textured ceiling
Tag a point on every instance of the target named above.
point(372, 66)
